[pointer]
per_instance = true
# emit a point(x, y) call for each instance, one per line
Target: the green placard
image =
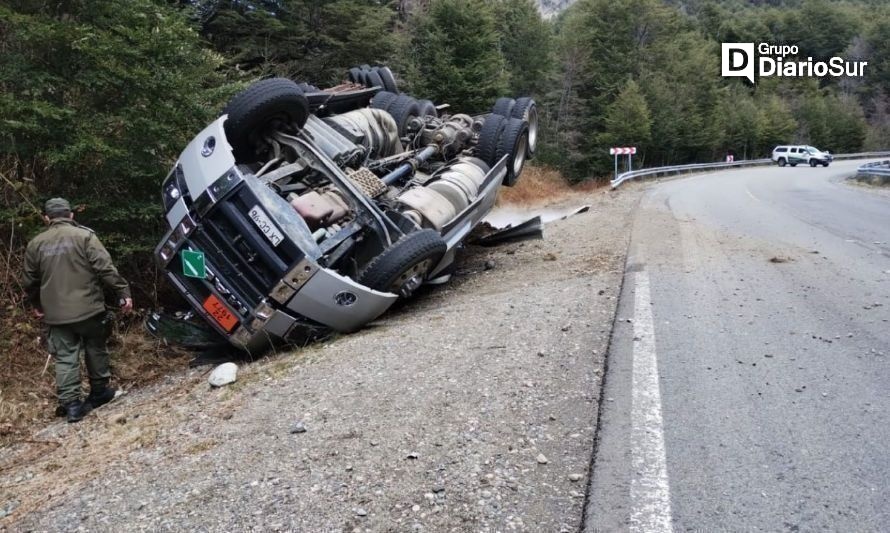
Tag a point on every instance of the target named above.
point(193, 264)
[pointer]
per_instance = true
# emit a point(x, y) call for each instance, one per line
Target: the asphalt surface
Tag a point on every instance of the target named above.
point(747, 385)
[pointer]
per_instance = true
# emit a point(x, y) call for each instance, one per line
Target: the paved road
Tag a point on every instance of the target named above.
point(748, 382)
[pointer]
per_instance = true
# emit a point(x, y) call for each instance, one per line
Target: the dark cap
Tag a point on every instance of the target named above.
point(56, 207)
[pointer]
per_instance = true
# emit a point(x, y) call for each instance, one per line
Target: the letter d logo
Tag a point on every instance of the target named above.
point(738, 60)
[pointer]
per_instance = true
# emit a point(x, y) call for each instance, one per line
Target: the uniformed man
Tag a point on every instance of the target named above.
point(66, 268)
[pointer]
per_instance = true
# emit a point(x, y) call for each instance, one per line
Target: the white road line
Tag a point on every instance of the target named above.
point(649, 489)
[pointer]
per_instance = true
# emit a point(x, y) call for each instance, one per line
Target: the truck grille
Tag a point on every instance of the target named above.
point(237, 252)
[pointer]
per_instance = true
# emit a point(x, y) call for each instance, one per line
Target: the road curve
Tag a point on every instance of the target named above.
point(748, 381)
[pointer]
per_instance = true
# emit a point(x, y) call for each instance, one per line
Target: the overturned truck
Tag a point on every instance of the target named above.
point(302, 210)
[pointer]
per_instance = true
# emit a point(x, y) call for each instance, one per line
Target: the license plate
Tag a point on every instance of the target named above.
point(262, 221)
point(220, 313)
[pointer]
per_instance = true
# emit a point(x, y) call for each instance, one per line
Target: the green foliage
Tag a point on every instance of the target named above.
point(628, 120)
point(97, 99)
point(526, 44)
point(308, 40)
point(454, 51)
point(671, 50)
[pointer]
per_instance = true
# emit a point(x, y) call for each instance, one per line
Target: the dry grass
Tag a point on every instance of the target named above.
point(543, 185)
point(27, 379)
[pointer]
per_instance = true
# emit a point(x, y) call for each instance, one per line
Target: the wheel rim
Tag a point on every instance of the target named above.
point(519, 154)
point(411, 279)
point(532, 119)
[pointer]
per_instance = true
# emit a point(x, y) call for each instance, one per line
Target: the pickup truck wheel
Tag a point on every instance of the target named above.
point(526, 109)
point(262, 108)
point(825, 164)
point(782, 162)
point(404, 266)
point(514, 144)
point(504, 107)
point(402, 109)
point(389, 80)
point(488, 138)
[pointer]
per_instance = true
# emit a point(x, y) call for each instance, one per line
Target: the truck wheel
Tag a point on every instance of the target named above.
point(782, 162)
point(488, 138)
point(526, 109)
point(825, 164)
point(402, 109)
point(389, 80)
point(504, 107)
point(259, 110)
point(428, 108)
point(374, 79)
point(383, 100)
point(403, 267)
point(514, 144)
point(813, 163)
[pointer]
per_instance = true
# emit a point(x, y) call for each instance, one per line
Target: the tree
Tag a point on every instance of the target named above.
point(455, 54)
point(527, 46)
point(775, 123)
point(96, 101)
point(628, 121)
point(309, 40)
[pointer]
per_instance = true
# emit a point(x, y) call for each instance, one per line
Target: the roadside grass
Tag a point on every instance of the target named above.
point(543, 185)
point(27, 378)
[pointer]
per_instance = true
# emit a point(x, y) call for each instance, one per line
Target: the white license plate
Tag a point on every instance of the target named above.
point(262, 220)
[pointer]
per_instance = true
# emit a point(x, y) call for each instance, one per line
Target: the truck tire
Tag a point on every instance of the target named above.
point(813, 163)
point(355, 75)
point(489, 135)
point(383, 100)
point(403, 266)
point(267, 105)
point(504, 107)
point(513, 143)
point(428, 108)
point(374, 79)
point(526, 109)
point(389, 80)
point(402, 110)
point(782, 162)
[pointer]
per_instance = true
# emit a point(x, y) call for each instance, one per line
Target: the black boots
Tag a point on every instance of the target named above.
point(76, 410)
point(100, 397)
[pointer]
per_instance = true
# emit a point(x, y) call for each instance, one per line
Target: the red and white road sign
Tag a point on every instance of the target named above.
point(621, 151)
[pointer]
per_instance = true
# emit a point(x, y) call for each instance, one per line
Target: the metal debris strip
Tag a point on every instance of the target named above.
point(528, 229)
point(532, 228)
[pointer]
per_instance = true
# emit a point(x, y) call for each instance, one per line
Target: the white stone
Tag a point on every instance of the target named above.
point(223, 375)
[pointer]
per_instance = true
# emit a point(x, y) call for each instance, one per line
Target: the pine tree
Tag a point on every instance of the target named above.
point(455, 55)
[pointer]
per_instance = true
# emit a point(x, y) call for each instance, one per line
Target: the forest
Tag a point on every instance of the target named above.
point(98, 98)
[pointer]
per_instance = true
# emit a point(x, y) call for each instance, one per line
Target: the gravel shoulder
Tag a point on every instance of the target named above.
point(473, 407)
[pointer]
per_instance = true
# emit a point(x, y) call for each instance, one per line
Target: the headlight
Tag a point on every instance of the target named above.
point(173, 188)
point(219, 188)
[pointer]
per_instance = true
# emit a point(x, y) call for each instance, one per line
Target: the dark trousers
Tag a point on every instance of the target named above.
point(65, 344)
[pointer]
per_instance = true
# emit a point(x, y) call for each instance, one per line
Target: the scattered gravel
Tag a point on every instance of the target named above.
point(435, 418)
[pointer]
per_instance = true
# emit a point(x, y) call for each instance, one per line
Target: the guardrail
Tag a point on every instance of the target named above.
point(680, 169)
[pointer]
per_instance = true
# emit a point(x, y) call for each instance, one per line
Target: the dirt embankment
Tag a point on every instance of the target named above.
point(472, 407)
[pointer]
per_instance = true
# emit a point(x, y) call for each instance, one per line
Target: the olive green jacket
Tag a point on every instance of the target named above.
point(65, 268)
